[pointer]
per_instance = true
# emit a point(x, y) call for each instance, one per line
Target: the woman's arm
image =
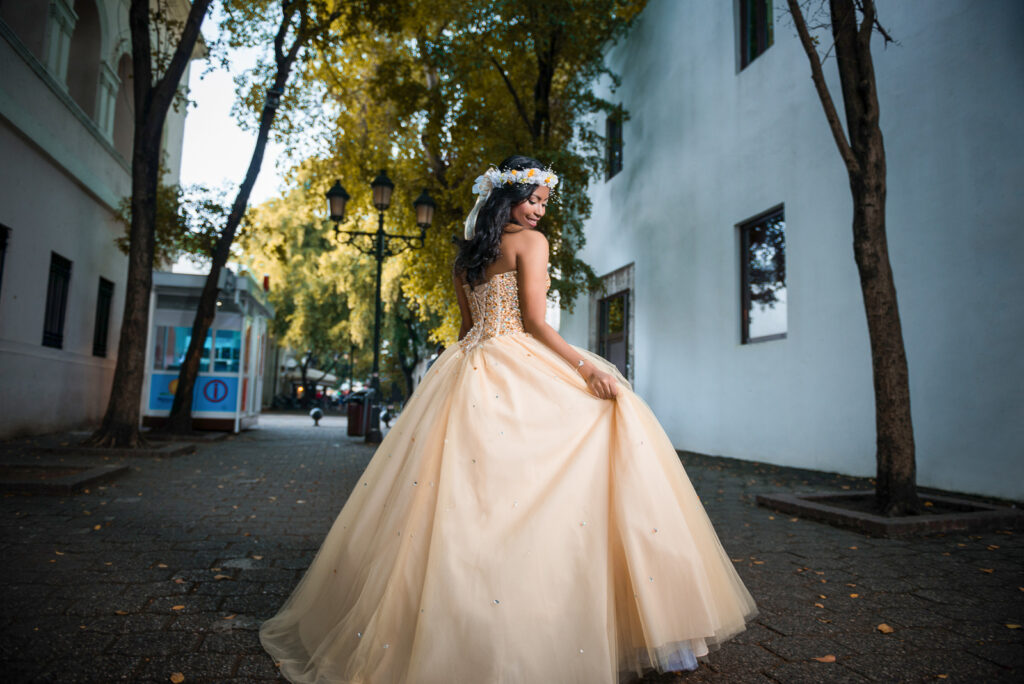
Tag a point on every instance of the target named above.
point(532, 267)
point(460, 294)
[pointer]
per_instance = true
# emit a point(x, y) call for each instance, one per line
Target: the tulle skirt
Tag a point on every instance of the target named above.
point(513, 528)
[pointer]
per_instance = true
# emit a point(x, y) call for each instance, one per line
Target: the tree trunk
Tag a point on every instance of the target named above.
point(180, 419)
point(895, 485)
point(120, 426)
point(864, 156)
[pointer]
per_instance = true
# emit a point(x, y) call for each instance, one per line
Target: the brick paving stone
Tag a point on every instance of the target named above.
point(138, 597)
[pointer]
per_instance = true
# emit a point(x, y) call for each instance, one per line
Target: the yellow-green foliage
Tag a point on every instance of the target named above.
point(435, 91)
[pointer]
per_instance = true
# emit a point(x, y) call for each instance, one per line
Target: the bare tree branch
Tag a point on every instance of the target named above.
point(512, 90)
point(818, 77)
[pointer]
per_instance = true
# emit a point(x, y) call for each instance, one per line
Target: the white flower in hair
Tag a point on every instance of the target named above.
point(485, 183)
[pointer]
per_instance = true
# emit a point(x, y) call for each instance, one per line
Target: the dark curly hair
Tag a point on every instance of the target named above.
point(477, 253)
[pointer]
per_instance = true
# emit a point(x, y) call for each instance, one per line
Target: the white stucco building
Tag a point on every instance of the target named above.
point(727, 142)
point(66, 126)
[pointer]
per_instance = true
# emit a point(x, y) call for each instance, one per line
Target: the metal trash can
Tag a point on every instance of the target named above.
point(356, 412)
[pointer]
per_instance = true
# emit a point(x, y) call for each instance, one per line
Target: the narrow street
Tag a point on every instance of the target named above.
point(171, 568)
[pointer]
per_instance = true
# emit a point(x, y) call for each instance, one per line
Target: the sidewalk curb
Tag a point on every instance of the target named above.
point(67, 484)
point(164, 451)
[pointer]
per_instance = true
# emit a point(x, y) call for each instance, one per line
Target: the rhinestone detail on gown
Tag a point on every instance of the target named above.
point(494, 306)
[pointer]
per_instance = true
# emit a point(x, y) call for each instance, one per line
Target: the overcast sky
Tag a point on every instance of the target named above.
point(216, 150)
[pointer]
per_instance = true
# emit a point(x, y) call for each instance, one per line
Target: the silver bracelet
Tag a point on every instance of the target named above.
point(579, 364)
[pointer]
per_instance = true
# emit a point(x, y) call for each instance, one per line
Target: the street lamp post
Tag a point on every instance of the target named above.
point(380, 248)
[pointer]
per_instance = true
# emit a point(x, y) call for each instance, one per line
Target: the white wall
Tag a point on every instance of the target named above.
point(709, 146)
point(60, 185)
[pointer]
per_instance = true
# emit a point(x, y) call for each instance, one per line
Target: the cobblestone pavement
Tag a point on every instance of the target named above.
point(171, 568)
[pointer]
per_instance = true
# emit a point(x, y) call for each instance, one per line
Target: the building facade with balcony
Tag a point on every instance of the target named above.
point(66, 130)
point(723, 234)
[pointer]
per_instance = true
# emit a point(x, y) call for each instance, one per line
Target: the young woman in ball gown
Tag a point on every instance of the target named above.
point(526, 520)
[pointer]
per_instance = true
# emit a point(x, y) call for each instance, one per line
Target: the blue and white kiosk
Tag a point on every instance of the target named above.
point(229, 388)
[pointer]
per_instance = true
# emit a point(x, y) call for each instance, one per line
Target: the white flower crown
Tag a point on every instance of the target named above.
point(494, 178)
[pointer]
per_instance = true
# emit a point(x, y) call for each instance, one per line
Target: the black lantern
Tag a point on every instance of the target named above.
point(336, 200)
point(382, 187)
point(424, 209)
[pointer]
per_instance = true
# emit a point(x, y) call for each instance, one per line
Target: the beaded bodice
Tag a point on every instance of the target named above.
point(494, 306)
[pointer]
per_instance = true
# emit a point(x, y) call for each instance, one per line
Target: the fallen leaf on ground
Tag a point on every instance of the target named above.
point(826, 658)
point(120, 612)
point(942, 676)
point(853, 547)
point(59, 553)
point(928, 503)
point(178, 580)
point(854, 595)
point(177, 677)
point(819, 605)
point(178, 607)
point(988, 570)
point(885, 629)
point(96, 527)
point(758, 562)
point(230, 617)
point(161, 565)
point(1013, 626)
point(220, 577)
point(992, 547)
point(257, 557)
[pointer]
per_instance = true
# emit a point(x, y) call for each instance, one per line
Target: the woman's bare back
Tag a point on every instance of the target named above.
point(507, 252)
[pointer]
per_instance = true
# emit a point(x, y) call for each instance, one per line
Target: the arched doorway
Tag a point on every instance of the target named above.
point(84, 57)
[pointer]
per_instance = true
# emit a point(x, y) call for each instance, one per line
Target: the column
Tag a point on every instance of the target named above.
point(106, 99)
point(60, 24)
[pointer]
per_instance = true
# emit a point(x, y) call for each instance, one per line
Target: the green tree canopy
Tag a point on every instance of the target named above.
point(435, 91)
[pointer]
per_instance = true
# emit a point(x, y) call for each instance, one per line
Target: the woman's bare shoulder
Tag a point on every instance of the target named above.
point(525, 237)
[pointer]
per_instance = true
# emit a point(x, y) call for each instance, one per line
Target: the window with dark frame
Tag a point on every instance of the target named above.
point(613, 330)
point(756, 29)
point(763, 277)
point(5, 233)
point(56, 301)
point(613, 142)
point(102, 328)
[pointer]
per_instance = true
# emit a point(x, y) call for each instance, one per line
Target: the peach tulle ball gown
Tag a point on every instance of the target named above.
point(512, 527)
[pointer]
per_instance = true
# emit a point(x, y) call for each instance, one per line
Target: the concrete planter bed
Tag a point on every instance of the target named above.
point(852, 510)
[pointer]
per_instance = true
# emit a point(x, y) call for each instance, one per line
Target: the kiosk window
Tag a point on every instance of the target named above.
point(171, 346)
point(228, 352)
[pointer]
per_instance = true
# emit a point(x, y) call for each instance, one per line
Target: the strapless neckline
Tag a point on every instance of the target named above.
point(496, 275)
